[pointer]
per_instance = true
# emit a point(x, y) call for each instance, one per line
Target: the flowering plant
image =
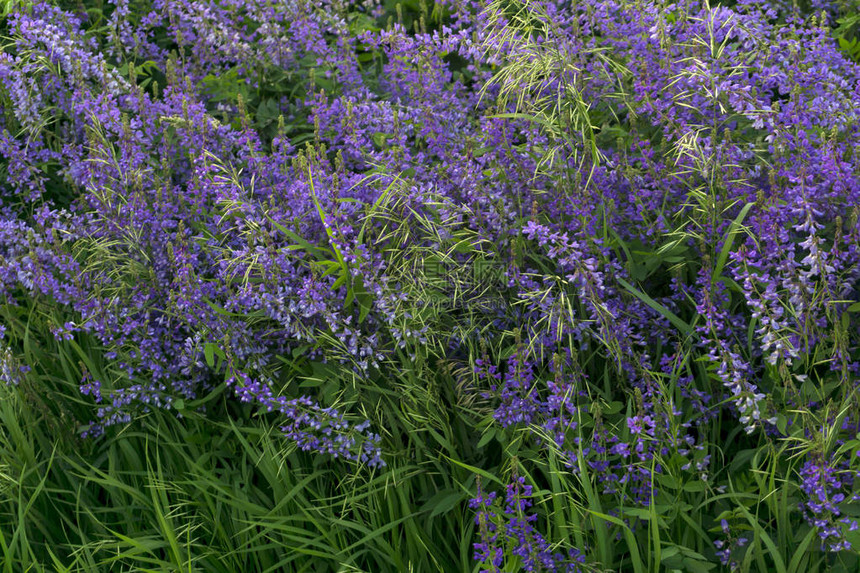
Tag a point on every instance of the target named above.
point(295, 204)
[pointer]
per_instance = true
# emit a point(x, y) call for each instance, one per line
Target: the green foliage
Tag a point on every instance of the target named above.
point(847, 33)
point(188, 491)
point(195, 493)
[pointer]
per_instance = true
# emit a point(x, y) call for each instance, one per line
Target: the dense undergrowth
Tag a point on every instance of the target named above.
point(452, 286)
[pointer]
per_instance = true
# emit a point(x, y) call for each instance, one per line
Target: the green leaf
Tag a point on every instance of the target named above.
point(670, 316)
point(794, 564)
point(771, 546)
point(267, 113)
point(613, 407)
point(443, 502)
point(380, 139)
point(209, 353)
point(632, 546)
point(695, 487)
point(485, 439)
point(734, 228)
point(346, 275)
point(300, 242)
point(697, 566)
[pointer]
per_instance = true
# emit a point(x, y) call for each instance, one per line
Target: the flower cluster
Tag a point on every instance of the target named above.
point(507, 534)
point(827, 484)
point(236, 195)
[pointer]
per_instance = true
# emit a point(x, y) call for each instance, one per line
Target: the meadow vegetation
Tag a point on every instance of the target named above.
point(366, 286)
